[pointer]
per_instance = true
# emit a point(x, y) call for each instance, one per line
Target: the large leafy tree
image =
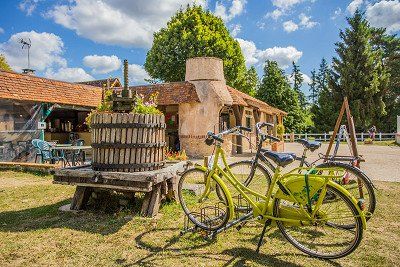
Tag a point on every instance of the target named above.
point(358, 73)
point(298, 79)
point(193, 32)
point(275, 90)
point(250, 82)
point(3, 63)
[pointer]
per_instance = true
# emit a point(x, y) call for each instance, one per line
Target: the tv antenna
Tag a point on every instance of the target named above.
point(26, 44)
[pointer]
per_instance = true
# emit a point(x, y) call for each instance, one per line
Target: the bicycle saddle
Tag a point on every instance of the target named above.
point(312, 145)
point(282, 159)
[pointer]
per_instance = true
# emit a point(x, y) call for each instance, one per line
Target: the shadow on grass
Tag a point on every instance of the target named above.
point(48, 216)
point(192, 246)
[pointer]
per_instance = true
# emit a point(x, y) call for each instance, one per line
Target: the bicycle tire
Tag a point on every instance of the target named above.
point(200, 216)
point(312, 251)
point(359, 175)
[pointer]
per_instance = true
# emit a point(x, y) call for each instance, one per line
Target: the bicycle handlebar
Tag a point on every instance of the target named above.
point(264, 137)
point(217, 137)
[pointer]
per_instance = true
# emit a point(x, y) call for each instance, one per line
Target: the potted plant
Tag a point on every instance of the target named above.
point(279, 146)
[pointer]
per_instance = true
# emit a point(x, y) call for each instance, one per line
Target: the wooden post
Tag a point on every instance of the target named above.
point(81, 197)
point(238, 112)
point(336, 129)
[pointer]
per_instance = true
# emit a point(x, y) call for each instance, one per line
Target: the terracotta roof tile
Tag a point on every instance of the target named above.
point(114, 82)
point(170, 93)
point(239, 98)
point(31, 88)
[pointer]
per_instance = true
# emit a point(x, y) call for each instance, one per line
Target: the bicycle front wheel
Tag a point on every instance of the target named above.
point(202, 205)
point(325, 238)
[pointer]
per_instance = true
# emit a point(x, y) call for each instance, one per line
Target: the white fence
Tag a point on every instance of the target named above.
point(327, 136)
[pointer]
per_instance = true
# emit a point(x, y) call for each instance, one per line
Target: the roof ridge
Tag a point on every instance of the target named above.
point(44, 78)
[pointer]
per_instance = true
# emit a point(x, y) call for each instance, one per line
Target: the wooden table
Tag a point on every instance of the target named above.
point(69, 147)
point(157, 185)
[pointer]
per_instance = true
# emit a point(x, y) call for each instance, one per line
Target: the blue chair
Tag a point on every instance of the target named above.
point(47, 154)
point(37, 150)
point(78, 155)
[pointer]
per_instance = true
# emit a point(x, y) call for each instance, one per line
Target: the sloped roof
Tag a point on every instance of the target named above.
point(114, 82)
point(185, 92)
point(242, 99)
point(32, 88)
point(170, 93)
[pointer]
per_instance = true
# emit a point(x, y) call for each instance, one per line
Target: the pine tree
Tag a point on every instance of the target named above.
point(313, 88)
point(358, 73)
point(298, 79)
point(275, 90)
point(322, 76)
point(390, 44)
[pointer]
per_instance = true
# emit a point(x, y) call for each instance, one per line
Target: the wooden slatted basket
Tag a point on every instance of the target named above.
point(128, 142)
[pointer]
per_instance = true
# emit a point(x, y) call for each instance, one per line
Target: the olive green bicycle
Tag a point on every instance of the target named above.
point(311, 211)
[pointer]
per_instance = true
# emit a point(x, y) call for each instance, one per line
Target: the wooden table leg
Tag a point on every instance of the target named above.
point(152, 201)
point(81, 197)
point(173, 188)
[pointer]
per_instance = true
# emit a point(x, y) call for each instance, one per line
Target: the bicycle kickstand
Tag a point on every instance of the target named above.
point(267, 223)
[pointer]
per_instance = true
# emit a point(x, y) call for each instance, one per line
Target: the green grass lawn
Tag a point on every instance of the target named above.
point(34, 233)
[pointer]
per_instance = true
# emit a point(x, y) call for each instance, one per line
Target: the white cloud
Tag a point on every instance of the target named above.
point(28, 6)
point(68, 74)
point(117, 22)
point(285, 4)
point(385, 14)
point(352, 7)
point(236, 29)
point(236, 9)
point(336, 13)
point(46, 51)
point(283, 55)
point(1, 30)
point(249, 51)
point(306, 22)
point(290, 26)
point(276, 14)
point(306, 79)
point(102, 64)
point(137, 74)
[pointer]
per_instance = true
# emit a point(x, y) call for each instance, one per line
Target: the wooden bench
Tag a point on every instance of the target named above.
point(157, 184)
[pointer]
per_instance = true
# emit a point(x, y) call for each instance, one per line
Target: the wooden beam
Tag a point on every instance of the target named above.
point(336, 129)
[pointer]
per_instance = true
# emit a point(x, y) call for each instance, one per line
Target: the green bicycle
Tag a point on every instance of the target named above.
point(310, 210)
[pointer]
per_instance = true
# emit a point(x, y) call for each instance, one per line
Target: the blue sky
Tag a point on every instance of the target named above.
point(88, 39)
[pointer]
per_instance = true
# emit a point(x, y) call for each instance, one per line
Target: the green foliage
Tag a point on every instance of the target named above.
point(390, 44)
point(358, 73)
point(276, 91)
point(149, 107)
point(298, 79)
point(313, 88)
point(250, 82)
point(105, 106)
point(194, 32)
point(3, 63)
point(280, 131)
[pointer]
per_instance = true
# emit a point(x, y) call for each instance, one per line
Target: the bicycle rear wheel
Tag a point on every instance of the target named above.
point(357, 183)
point(209, 212)
point(326, 238)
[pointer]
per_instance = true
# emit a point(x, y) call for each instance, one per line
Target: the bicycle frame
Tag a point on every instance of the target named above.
point(262, 210)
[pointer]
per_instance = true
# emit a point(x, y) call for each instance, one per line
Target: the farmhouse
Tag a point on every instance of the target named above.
point(204, 102)
point(192, 107)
